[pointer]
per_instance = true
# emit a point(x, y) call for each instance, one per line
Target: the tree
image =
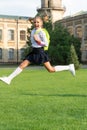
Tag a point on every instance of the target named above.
point(60, 45)
point(77, 45)
point(74, 57)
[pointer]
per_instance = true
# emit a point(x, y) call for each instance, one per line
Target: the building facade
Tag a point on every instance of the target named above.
point(13, 30)
point(13, 36)
point(77, 26)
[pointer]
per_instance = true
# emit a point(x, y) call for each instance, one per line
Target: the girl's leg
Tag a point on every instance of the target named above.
point(24, 64)
point(16, 72)
point(19, 69)
point(50, 68)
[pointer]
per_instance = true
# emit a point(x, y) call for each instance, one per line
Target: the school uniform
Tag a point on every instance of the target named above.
point(38, 55)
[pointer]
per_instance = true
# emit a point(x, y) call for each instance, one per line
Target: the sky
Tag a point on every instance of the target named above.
point(29, 7)
point(74, 6)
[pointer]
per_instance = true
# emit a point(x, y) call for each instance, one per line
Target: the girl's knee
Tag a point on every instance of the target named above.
point(51, 70)
point(24, 64)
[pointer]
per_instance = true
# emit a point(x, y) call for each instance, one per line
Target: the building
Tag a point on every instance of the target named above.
point(13, 36)
point(13, 30)
point(77, 26)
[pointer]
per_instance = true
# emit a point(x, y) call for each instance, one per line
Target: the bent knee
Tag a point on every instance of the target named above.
point(51, 70)
point(24, 64)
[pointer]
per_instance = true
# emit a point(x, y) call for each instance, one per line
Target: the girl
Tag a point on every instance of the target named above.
point(38, 55)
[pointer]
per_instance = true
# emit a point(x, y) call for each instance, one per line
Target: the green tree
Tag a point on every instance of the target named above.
point(60, 45)
point(77, 44)
point(73, 58)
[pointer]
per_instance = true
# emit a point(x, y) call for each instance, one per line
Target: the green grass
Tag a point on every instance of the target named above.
point(38, 100)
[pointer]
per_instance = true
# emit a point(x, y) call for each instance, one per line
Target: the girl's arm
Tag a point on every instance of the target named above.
point(37, 39)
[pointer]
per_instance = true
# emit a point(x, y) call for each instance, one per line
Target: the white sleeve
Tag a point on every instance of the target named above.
point(43, 38)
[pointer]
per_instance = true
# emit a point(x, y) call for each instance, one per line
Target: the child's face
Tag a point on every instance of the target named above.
point(38, 23)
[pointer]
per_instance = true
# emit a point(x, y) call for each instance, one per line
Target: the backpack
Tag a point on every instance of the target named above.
point(47, 36)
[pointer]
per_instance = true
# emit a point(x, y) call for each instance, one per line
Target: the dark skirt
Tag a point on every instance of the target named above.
point(37, 56)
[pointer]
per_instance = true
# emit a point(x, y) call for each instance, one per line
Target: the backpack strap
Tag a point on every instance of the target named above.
point(48, 39)
point(47, 36)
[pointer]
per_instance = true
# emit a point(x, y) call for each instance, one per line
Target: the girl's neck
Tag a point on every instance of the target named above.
point(38, 28)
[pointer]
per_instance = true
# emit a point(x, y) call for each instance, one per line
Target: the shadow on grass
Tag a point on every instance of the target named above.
point(54, 95)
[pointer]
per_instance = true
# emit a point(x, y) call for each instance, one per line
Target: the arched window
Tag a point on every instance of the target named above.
point(11, 54)
point(0, 53)
point(22, 53)
point(70, 29)
point(85, 33)
point(22, 35)
point(78, 31)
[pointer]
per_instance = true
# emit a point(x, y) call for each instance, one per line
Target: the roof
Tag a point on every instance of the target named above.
point(76, 14)
point(80, 13)
point(14, 17)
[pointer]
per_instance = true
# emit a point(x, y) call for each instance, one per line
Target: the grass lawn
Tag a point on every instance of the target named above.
point(38, 100)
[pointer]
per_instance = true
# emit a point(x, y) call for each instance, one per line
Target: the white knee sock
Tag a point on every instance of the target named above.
point(15, 73)
point(61, 68)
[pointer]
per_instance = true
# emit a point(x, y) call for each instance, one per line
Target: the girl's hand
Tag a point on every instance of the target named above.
point(36, 38)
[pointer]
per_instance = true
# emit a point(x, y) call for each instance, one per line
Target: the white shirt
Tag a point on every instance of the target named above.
point(42, 36)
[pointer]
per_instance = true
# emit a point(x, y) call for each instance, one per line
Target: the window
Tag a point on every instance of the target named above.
point(70, 29)
point(79, 32)
point(11, 54)
point(48, 4)
point(85, 33)
point(0, 53)
point(0, 34)
point(22, 53)
point(22, 35)
point(10, 35)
